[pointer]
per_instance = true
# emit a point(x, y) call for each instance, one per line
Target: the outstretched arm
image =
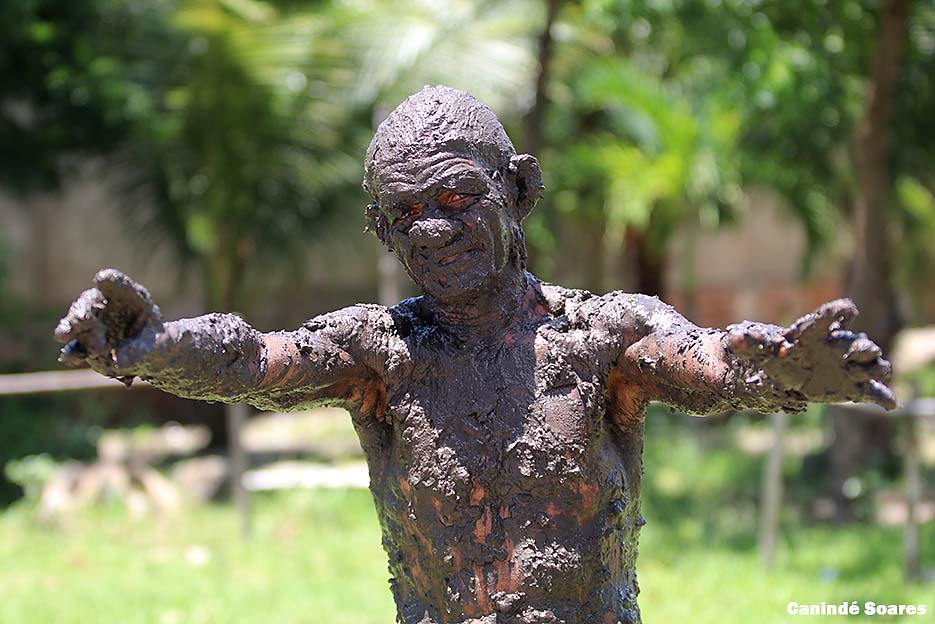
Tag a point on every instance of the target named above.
point(119, 332)
point(750, 365)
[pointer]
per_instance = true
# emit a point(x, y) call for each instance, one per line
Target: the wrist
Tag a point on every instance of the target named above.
point(142, 354)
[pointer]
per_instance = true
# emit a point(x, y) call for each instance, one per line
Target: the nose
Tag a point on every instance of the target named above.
point(431, 233)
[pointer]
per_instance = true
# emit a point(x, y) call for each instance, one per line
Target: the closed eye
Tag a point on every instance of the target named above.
point(450, 199)
point(409, 212)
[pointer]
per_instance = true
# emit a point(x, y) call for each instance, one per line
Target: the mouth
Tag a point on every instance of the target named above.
point(454, 257)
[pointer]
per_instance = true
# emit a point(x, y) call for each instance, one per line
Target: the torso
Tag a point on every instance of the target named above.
point(508, 494)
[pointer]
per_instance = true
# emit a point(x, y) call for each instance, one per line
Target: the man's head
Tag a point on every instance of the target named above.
point(449, 192)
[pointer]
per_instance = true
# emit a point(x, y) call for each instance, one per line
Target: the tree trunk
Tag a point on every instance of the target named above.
point(588, 242)
point(224, 271)
point(532, 124)
point(868, 282)
point(648, 265)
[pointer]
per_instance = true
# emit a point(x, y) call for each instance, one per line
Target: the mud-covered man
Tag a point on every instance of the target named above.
point(501, 416)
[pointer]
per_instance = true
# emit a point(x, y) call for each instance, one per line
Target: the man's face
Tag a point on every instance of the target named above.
point(448, 222)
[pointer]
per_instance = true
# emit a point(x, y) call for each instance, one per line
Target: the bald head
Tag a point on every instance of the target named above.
point(437, 120)
point(449, 192)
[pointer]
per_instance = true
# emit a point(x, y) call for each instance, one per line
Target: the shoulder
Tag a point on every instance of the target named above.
point(560, 301)
point(352, 319)
point(634, 311)
point(631, 314)
point(369, 333)
point(366, 330)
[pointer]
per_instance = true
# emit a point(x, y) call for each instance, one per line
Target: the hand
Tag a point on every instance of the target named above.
point(111, 327)
point(817, 357)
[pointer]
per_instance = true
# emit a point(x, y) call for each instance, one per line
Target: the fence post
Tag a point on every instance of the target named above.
point(771, 497)
point(236, 416)
point(913, 494)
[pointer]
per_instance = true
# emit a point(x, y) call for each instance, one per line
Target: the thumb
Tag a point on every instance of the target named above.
point(747, 340)
point(127, 300)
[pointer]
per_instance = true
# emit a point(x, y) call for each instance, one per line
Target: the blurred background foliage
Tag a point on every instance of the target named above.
point(233, 131)
point(237, 125)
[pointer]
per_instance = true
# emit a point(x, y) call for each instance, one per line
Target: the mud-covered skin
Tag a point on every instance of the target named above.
point(506, 471)
point(507, 492)
point(501, 417)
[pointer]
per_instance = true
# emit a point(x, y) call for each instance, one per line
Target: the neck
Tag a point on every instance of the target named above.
point(483, 313)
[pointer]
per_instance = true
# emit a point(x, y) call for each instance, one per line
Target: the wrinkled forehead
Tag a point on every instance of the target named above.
point(415, 175)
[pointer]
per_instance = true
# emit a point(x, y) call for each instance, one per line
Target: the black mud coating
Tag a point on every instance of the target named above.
point(501, 417)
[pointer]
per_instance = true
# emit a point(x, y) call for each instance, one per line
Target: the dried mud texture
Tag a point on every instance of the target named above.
point(501, 417)
point(506, 472)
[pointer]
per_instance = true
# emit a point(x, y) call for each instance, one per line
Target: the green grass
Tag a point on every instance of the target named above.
point(316, 558)
point(684, 580)
point(316, 555)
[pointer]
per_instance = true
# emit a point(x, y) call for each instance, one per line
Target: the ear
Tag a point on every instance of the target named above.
point(376, 223)
point(525, 170)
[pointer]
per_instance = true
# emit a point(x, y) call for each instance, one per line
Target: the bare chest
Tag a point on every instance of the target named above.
point(526, 414)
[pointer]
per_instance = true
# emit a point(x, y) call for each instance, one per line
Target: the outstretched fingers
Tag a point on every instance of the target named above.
point(854, 348)
point(83, 322)
point(127, 298)
point(81, 330)
point(830, 317)
point(865, 368)
point(102, 318)
point(871, 377)
point(879, 393)
point(818, 357)
point(119, 287)
point(862, 350)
